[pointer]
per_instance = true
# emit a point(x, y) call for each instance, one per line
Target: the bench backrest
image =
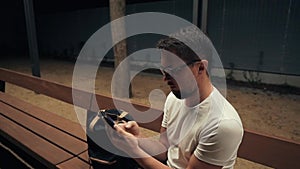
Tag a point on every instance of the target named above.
point(267, 150)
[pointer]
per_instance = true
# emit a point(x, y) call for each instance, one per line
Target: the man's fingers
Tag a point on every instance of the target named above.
point(120, 130)
point(129, 124)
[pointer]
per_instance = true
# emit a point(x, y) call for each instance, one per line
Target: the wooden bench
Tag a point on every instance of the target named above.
point(45, 139)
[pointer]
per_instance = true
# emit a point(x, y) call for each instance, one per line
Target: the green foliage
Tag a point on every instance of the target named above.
point(252, 77)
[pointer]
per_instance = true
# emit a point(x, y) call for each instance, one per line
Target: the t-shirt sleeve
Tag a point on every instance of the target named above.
point(169, 100)
point(164, 122)
point(220, 144)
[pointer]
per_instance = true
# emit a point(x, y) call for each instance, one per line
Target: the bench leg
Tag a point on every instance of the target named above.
point(2, 86)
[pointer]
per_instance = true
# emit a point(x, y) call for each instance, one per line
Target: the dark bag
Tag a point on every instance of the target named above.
point(96, 133)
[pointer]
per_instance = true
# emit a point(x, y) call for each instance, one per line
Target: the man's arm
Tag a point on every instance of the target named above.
point(151, 163)
point(130, 144)
point(156, 148)
point(195, 163)
point(147, 161)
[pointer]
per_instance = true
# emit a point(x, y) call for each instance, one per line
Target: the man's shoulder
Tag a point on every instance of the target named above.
point(172, 99)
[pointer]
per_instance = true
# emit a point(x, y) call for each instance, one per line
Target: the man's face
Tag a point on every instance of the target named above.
point(178, 75)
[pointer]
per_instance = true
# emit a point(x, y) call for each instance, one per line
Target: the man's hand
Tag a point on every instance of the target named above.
point(130, 127)
point(124, 137)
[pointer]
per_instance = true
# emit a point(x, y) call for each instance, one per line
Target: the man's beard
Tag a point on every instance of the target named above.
point(182, 95)
point(177, 94)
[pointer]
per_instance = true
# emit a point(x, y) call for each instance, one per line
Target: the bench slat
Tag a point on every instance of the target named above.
point(45, 152)
point(74, 163)
point(43, 86)
point(269, 151)
point(51, 134)
point(52, 119)
point(84, 156)
point(80, 162)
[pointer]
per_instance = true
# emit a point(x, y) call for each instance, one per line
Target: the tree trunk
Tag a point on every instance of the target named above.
point(117, 10)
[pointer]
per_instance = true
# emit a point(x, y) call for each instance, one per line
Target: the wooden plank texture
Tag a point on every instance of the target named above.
point(52, 119)
point(79, 162)
point(74, 163)
point(84, 156)
point(49, 133)
point(45, 152)
point(42, 86)
point(263, 149)
point(270, 151)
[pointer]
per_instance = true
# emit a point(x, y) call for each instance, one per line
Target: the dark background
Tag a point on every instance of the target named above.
point(260, 35)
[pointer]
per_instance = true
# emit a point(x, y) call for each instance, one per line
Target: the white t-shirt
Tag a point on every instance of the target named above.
point(212, 131)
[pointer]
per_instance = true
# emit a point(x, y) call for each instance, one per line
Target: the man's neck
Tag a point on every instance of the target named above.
point(203, 92)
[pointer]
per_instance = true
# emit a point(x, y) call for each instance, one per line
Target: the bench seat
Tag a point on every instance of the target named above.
point(49, 138)
point(55, 142)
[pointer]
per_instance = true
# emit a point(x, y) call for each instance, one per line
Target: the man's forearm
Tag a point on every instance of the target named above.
point(148, 162)
point(154, 148)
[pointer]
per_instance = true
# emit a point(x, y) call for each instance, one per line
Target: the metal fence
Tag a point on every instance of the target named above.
point(260, 35)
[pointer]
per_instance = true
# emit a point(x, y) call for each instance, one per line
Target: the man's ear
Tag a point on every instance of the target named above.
point(203, 65)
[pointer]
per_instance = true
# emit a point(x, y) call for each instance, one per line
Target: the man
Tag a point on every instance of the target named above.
point(200, 128)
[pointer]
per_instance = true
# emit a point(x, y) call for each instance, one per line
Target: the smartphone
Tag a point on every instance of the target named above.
point(108, 119)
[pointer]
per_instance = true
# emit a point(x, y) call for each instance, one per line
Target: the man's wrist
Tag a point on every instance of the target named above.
point(139, 153)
